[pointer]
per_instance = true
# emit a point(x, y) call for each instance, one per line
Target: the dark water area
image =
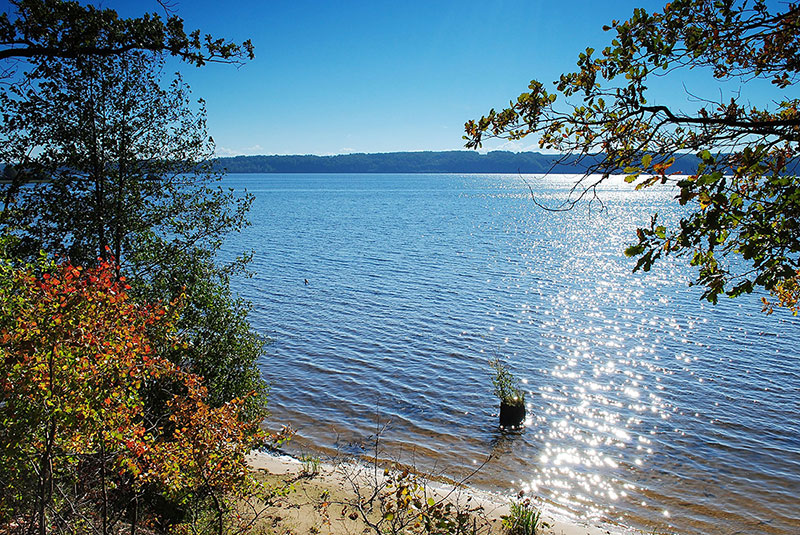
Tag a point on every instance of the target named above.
point(647, 407)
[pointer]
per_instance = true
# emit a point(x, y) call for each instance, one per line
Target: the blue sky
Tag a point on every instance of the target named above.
point(334, 77)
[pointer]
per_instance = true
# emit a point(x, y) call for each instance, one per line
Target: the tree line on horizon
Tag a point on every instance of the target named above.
point(424, 162)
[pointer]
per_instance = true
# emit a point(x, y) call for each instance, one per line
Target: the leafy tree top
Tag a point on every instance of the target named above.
point(108, 160)
point(742, 201)
point(67, 29)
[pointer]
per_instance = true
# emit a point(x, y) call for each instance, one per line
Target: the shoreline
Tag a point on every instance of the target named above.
point(323, 496)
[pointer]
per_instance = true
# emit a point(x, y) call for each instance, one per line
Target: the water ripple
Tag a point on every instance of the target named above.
point(647, 407)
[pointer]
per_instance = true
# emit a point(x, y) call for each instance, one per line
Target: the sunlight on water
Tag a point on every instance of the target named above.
point(646, 407)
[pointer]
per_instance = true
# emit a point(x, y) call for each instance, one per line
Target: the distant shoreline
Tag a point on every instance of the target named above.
point(503, 162)
point(427, 162)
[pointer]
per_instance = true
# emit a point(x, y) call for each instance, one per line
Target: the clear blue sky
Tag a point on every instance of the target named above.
point(334, 77)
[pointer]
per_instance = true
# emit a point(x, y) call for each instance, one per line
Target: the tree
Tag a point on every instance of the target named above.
point(110, 168)
point(77, 358)
point(117, 151)
point(110, 163)
point(742, 204)
point(67, 29)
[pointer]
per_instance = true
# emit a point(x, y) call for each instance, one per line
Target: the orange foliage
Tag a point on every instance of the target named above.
point(76, 360)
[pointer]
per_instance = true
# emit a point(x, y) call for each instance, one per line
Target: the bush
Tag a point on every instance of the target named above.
point(77, 359)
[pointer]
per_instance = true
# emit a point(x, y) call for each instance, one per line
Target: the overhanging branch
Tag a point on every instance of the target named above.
point(720, 121)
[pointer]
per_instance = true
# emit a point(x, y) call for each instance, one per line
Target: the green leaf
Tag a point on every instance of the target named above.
point(634, 250)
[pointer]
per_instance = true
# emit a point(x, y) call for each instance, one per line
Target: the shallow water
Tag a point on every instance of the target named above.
point(647, 407)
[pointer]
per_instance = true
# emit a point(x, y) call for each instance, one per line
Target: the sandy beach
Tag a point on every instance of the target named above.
point(324, 497)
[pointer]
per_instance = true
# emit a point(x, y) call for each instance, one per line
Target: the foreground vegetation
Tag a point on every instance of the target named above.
point(349, 497)
point(129, 387)
point(99, 429)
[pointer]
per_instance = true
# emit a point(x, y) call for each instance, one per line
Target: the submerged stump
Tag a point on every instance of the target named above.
point(512, 415)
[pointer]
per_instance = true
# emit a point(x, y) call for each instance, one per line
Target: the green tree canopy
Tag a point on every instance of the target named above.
point(110, 163)
point(107, 160)
point(108, 166)
point(67, 29)
point(741, 226)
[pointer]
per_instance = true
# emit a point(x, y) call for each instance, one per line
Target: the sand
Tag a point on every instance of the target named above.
point(324, 497)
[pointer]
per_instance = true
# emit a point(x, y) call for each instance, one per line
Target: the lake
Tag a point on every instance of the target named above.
point(647, 406)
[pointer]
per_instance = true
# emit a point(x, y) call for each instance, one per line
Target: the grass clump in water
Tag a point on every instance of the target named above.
point(506, 385)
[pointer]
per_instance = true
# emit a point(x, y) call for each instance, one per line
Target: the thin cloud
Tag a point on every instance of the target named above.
point(245, 151)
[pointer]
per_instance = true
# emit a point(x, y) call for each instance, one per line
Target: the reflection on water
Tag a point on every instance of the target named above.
point(647, 407)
